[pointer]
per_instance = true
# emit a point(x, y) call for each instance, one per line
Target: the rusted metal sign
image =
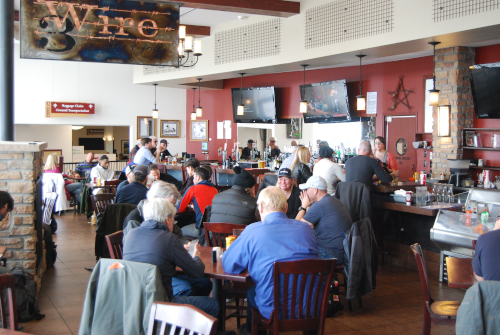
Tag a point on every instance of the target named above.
point(61, 109)
point(107, 31)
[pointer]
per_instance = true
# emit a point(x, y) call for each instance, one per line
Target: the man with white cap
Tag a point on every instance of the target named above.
point(275, 150)
point(326, 215)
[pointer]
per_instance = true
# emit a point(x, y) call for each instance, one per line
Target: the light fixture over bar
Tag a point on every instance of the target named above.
point(360, 99)
point(241, 107)
point(155, 111)
point(303, 102)
point(434, 94)
point(199, 110)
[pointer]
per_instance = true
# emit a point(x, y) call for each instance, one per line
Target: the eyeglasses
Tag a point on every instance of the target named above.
point(379, 143)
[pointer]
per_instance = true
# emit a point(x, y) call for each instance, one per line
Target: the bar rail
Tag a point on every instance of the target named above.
point(113, 165)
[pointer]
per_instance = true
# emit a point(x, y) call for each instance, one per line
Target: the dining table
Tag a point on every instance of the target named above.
point(460, 272)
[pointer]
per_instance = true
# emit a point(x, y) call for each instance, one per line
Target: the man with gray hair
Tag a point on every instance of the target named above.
point(154, 243)
point(275, 238)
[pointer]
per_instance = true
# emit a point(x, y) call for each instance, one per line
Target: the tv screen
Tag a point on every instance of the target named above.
point(260, 104)
point(485, 82)
point(326, 102)
point(91, 143)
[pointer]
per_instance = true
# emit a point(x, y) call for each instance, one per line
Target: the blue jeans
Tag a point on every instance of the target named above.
point(329, 253)
point(187, 286)
point(76, 189)
point(206, 304)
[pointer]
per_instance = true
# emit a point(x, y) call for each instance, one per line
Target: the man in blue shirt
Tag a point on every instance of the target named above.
point(486, 263)
point(275, 238)
point(136, 190)
point(144, 155)
point(82, 168)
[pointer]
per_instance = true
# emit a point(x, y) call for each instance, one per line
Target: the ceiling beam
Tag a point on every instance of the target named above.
point(197, 31)
point(257, 7)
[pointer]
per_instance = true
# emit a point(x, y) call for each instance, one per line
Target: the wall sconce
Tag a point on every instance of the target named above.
point(444, 120)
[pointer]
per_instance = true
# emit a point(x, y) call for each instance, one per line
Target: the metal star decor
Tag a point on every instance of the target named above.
point(395, 95)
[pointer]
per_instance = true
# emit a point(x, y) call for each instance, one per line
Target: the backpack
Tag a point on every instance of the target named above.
point(27, 308)
point(50, 246)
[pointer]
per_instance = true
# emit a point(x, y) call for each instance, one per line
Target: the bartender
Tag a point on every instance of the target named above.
point(162, 147)
point(246, 153)
point(275, 150)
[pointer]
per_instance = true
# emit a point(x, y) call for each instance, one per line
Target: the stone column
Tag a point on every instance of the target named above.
point(20, 166)
point(452, 79)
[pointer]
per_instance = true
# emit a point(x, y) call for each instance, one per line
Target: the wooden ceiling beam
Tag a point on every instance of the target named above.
point(257, 7)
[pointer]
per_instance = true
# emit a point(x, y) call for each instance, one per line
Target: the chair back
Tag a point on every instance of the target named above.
point(111, 186)
point(213, 177)
point(422, 270)
point(48, 207)
point(101, 201)
point(303, 301)
point(185, 175)
point(115, 245)
point(181, 319)
point(356, 198)
point(219, 230)
point(7, 284)
point(474, 244)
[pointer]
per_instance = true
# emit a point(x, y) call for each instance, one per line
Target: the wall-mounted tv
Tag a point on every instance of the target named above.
point(326, 102)
point(485, 82)
point(91, 143)
point(260, 104)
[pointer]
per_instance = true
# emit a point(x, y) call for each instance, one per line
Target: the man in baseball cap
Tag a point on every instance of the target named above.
point(247, 151)
point(136, 190)
point(163, 149)
point(326, 215)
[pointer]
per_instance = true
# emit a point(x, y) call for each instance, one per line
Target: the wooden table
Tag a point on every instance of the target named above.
point(4, 331)
point(460, 272)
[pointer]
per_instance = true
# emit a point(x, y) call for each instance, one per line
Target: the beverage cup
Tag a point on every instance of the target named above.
point(480, 163)
point(421, 196)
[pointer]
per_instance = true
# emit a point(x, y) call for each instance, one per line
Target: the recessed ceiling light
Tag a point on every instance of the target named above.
point(242, 17)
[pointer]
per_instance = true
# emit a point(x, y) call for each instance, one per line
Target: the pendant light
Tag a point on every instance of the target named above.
point(361, 99)
point(303, 102)
point(155, 111)
point(434, 94)
point(241, 107)
point(193, 113)
point(199, 110)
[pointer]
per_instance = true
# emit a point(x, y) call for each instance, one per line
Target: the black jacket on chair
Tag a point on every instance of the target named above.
point(357, 198)
point(234, 206)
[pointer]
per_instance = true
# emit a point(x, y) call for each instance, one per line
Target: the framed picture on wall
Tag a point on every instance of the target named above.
point(199, 130)
point(204, 145)
point(125, 147)
point(146, 126)
point(294, 129)
point(170, 128)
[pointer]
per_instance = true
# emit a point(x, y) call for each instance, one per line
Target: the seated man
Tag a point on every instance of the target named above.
point(154, 145)
point(144, 155)
point(157, 175)
point(246, 153)
point(191, 164)
point(129, 173)
point(154, 243)
point(275, 238)
point(485, 263)
point(136, 190)
point(102, 172)
point(328, 217)
point(82, 168)
point(200, 196)
point(164, 153)
point(331, 172)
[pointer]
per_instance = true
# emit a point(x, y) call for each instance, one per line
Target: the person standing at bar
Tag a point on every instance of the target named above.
point(144, 155)
point(275, 150)
point(383, 155)
point(246, 153)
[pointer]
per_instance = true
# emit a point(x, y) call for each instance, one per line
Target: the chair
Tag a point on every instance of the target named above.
point(435, 312)
point(298, 275)
point(474, 245)
point(115, 245)
point(101, 201)
point(356, 198)
point(185, 175)
point(235, 291)
point(7, 283)
point(182, 319)
point(110, 186)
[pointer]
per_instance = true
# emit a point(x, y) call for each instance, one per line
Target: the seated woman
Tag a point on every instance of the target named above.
point(384, 156)
point(71, 188)
point(299, 167)
point(292, 192)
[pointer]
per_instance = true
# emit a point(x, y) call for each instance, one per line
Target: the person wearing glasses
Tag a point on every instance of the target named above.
point(154, 142)
point(275, 150)
point(383, 155)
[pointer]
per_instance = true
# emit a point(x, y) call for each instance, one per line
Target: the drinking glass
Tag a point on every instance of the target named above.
point(435, 188)
point(450, 193)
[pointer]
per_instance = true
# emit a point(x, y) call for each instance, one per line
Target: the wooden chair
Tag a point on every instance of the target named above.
point(101, 201)
point(185, 175)
point(298, 274)
point(232, 290)
point(181, 319)
point(115, 244)
point(111, 186)
point(435, 312)
point(474, 245)
point(7, 283)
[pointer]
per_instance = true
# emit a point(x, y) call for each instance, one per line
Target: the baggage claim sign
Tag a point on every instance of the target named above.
point(106, 31)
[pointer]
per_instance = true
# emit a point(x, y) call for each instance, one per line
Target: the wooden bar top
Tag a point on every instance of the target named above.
point(407, 186)
point(430, 210)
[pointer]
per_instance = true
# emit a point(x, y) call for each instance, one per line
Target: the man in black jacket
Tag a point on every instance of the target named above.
point(136, 190)
point(157, 175)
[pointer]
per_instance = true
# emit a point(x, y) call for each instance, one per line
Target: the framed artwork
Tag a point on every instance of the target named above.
point(294, 129)
point(204, 145)
point(93, 131)
point(470, 138)
point(199, 130)
point(146, 126)
point(170, 128)
point(125, 147)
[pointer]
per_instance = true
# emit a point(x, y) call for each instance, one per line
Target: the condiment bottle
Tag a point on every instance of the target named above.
point(484, 217)
point(468, 218)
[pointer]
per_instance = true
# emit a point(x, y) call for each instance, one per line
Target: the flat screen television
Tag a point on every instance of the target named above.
point(91, 143)
point(260, 104)
point(326, 102)
point(485, 82)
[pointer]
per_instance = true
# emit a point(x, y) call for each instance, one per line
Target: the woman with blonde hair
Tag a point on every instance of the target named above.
point(51, 166)
point(299, 167)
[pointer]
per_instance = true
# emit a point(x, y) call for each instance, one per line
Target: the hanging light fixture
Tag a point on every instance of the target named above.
point(155, 111)
point(361, 99)
point(187, 45)
point(241, 107)
point(193, 113)
point(434, 94)
point(303, 102)
point(199, 110)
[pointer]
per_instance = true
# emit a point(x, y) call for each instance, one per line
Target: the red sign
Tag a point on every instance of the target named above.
point(55, 108)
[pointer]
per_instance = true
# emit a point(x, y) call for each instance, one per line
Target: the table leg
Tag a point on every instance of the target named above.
point(219, 296)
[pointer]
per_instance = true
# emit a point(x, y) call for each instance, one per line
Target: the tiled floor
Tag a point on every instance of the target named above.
point(394, 307)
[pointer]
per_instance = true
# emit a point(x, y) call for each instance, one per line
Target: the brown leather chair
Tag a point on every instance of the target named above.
point(115, 244)
point(111, 186)
point(180, 319)
point(7, 283)
point(219, 230)
point(101, 201)
point(297, 273)
point(435, 312)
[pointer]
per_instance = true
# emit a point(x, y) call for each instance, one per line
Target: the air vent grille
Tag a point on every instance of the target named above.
point(452, 9)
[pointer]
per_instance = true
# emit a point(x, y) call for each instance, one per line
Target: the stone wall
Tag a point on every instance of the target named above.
point(452, 79)
point(20, 166)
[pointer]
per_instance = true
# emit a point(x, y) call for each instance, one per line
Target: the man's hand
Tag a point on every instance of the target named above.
point(162, 146)
point(395, 173)
point(76, 175)
point(187, 245)
point(304, 198)
point(197, 251)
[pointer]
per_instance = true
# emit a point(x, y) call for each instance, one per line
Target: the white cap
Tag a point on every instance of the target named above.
point(314, 182)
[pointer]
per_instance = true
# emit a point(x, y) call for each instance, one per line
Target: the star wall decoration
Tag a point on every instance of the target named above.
point(400, 90)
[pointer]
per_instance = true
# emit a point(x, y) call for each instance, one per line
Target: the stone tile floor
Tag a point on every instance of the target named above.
point(394, 307)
